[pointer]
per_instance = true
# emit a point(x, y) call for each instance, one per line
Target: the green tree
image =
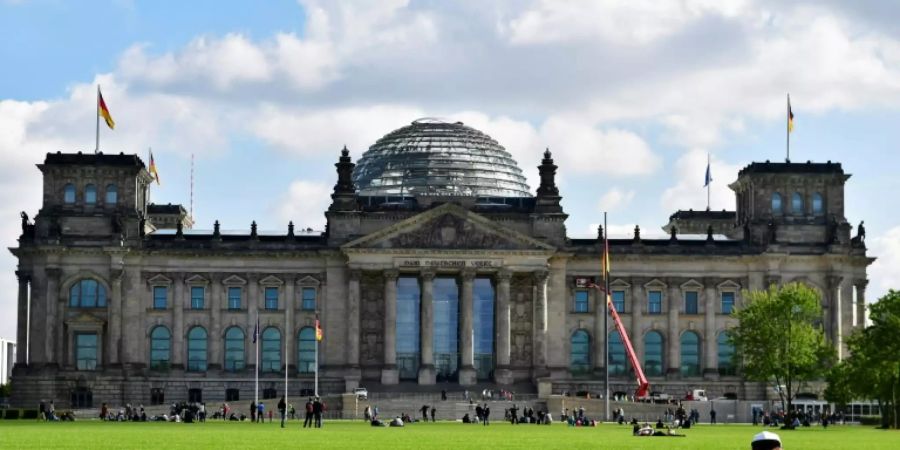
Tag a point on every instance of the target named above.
point(779, 339)
point(872, 371)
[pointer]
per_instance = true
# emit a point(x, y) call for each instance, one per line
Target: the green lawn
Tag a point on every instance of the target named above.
point(358, 435)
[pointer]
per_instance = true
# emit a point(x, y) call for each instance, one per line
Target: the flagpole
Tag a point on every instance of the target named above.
point(606, 315)
point(97, 135)
point(316, 360)
point(256, 372)
point(287, 334)
point(708, 182)
point(788, 128)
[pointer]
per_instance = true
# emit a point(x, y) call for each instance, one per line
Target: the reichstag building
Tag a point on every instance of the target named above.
point(438, 266)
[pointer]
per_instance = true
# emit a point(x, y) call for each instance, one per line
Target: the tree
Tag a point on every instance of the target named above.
point(779, 339)
point(872, 371)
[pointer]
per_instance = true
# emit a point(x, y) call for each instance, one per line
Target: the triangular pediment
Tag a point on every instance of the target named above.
point(234, 280)
point(446, 227)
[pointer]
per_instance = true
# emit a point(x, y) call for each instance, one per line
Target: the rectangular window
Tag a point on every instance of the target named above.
point(234, 298)
point(618, 298)
point(271, 298)
point(197, 297)
point(309, 299)
point(654, 302)
point(581, 300)
point(160, 297)
point(690, 302)
point(727, 302)
point(232, 395)
point(86, 351)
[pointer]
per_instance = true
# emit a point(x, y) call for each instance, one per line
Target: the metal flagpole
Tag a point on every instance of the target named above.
point(316, 360)
point(708, 181)
point(256, 336)
point(606, 315)
point(97, 135)
point(286, 337)
point(788, 128)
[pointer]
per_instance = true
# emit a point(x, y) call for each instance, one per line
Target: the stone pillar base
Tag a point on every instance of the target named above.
point(467, 376)
point(390, 376)
point(426, 375)
point(503, 376)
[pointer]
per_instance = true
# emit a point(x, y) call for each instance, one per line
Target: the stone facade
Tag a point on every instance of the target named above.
point(198, 295)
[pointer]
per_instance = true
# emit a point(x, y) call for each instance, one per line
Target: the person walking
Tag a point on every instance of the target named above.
point(712, 416)
point(432, 413)
point(308, 422)
point(424, 410)
point(260, 413)
point(318, 408)
point(486, 412)
point(282, 408)
point(252, 412)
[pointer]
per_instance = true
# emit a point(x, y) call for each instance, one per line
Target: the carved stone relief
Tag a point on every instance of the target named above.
point(371, 326)
point(521, 344)
point(451, 231)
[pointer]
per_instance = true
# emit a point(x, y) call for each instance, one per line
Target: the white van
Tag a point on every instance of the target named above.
point(698, 395)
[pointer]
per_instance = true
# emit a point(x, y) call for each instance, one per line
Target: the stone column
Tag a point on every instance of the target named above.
point(37, 318)
point(673, 303)
point(217, 301)
point(467, 374)
point(846, 315)
point(539, 361)
point(22, 318)
point(290, 338)
point(389, 374)
point(502, 373)
point(711, 349)
point(598, 343)
point(861, 303)
point(638, 300)
point(114, 339)
point(426, 329)
point(832, 313)
point(353, 304)
point(51, 319)
point(178, 331)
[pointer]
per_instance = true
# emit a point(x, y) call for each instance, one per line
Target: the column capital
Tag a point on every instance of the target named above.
point(541, 275)
point(23, 276)
point(504, 275)
point(355, 274)
point(468, 274)
point(861, 283)
point(834, 281)
point(391, 274)
point(427, 274)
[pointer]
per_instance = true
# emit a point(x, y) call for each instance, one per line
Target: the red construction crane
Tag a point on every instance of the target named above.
point(643, 384)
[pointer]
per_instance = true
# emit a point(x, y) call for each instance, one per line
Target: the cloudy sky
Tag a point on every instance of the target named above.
point(630, 96)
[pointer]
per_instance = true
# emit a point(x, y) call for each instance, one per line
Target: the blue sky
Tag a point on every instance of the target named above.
point(630, 97)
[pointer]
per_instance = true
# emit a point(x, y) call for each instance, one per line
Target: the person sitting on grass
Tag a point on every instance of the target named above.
point(659, 424)
point(766, 441)
point(466, 419)
point(377, 423)
point(397, 422)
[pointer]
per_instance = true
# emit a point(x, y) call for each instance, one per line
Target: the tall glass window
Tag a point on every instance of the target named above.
point(581, 301)
point(818, 205)
point(197, 297)
point(653, 353)
point(197, 350)
point(797, 204)
point(69, 193)
point(160, 347)
point(654, 302)
point(271, 350)
point(87, 293)
point(408, 299)
point(86, 351)
point(690, 302)
point(306, 350)
point(726, 355)
point(484, 328)
point(727, 302)
point(234, 298)
point(776, 203)
point(271, 298)
point(616, 363)
point(446, 329)
point(160, 297)
point(112, 194)
point(580, 352)
point(309, 299)
point(90, 194)
point(234, 349)
point(690, 354)
point(618, 298)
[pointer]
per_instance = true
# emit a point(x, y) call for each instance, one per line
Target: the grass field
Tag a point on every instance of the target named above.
point(447, 435)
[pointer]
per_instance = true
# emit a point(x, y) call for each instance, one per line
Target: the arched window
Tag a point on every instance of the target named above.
point(87, 293)
point(160, 347)
point(797, 204)
point(306, 350)
point(112, 194)
point(776, 203)
point(580, 354)
point(234, 349)
point(90, 194)
point(690, 354)
point(197, 350)
point(726, 355)
point(69, 193)
point(271, 350)
point(653, 353)
point(818, 205)
point(616, 362)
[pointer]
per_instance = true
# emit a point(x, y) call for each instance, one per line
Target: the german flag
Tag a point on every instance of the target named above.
point(319, 333)
point(152, 169)
point(103, 111)
point(790, 115)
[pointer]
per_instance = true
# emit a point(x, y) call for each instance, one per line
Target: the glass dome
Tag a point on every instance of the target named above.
point(432, 157)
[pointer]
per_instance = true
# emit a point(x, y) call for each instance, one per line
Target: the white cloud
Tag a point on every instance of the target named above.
point(614, 199)
point(305, 203)
point(885, 271)
point(584, 148)
point(688, 191)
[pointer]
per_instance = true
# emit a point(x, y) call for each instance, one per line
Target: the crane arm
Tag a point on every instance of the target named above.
point(643, 384)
